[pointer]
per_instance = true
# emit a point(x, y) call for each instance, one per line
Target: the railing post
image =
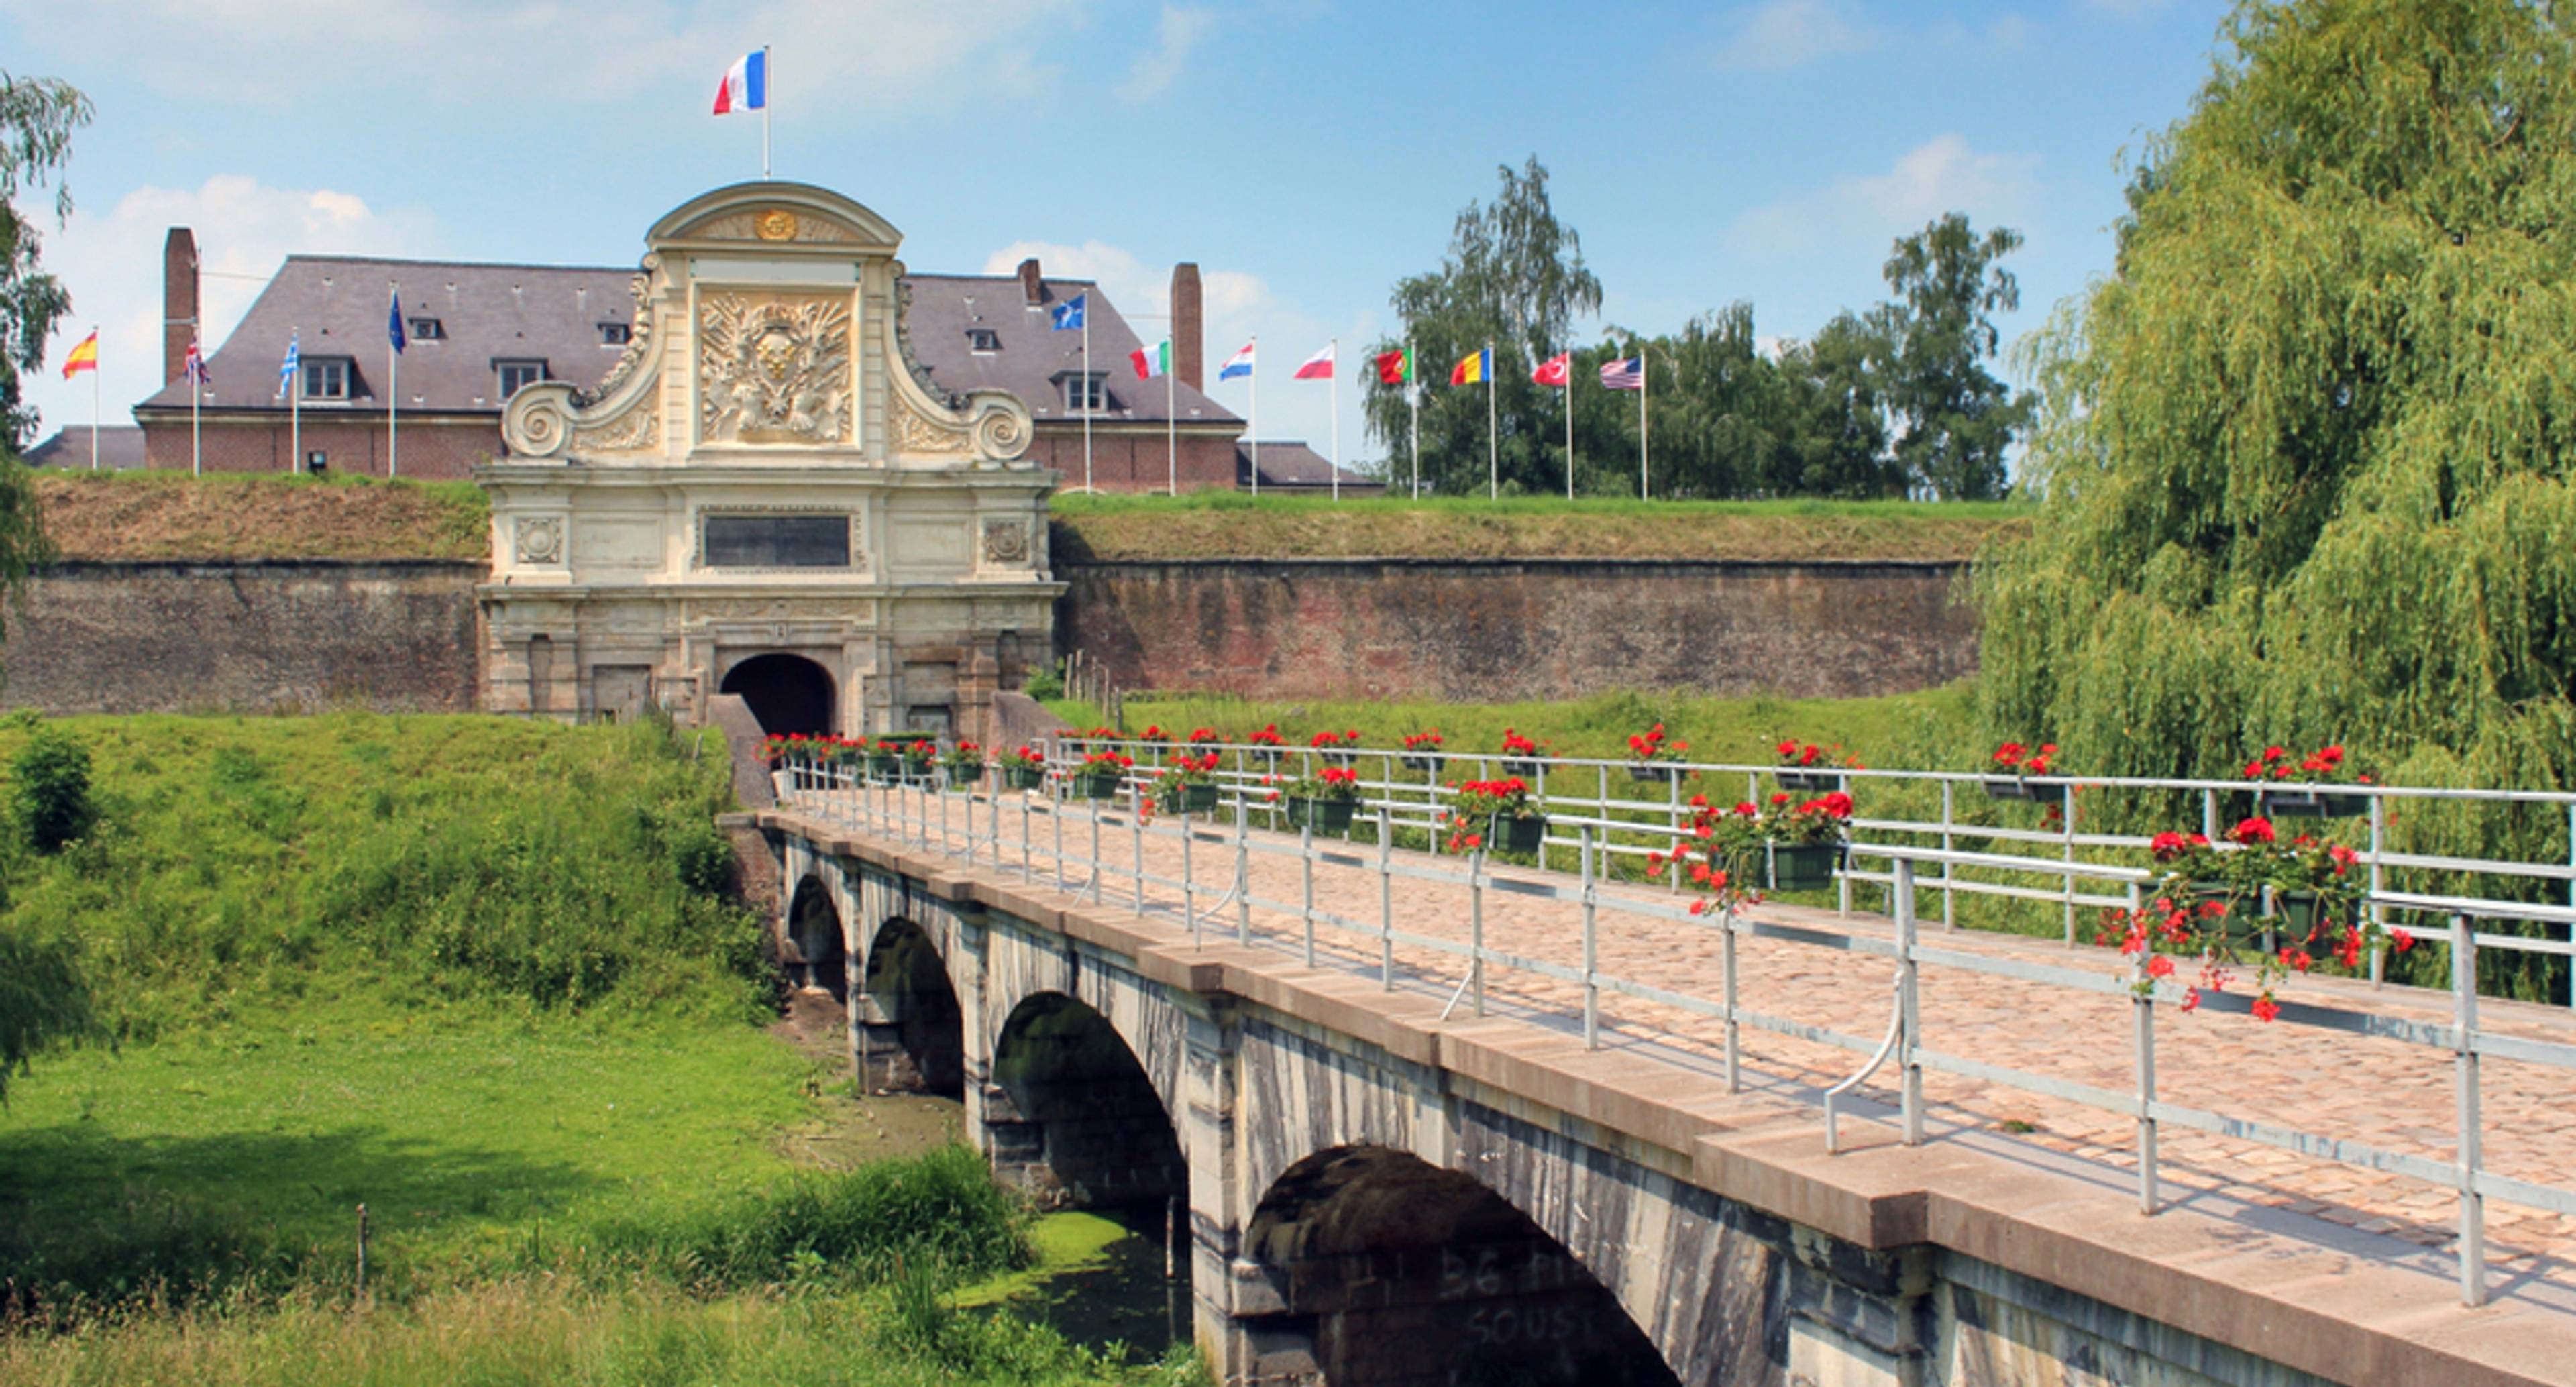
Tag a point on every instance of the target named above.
point(1189, 875)
point(1476, 921)
point(1386, 894)
point(2066, 883)
point(1242, 871)
point(2571, 896)
point(1949, 844)
point(2378, 883)
point(1734, 1027)
point(1096, 859)
point(1907, 971)
point(1136, 831)
point(1591, 952)
point(1306, 874)
point(2142, 1011)
point(2464, 1021)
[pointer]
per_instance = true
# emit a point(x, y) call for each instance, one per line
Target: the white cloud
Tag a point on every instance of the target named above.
point(1174, 37)
point(882, 54)
point(1792, 33)
point(1940, 175)
point(111, 262)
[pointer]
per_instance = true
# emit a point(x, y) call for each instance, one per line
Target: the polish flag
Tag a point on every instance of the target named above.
point(746, 84)
point(1317, 367)
point(1556, 370)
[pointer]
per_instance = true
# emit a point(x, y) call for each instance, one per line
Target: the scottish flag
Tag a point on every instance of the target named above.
point(394, 324)
point(286, 369)
point(1068, 315)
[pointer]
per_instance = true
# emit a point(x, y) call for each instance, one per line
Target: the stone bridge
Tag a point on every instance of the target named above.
point(1380, 1189)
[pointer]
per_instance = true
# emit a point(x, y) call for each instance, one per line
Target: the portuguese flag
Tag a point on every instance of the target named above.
point(1395, 368)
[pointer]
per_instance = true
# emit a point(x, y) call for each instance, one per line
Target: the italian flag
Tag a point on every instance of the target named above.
point(1152, 361)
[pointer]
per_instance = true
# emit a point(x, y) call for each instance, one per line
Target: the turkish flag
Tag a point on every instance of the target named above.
point(1556, 370)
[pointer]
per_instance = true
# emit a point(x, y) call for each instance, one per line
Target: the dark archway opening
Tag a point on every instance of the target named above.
point(787, 693)
point(912, 1034)
point(1391, 1272)
point(817, 957)
point(1072, 1118)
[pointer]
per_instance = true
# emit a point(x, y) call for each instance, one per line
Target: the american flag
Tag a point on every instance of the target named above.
point(194, 368)
point(1629, 374)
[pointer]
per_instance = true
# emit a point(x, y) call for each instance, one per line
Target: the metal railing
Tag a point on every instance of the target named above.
point(1025, 832)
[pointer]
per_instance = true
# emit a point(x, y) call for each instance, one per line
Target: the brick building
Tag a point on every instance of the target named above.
point(480, 332)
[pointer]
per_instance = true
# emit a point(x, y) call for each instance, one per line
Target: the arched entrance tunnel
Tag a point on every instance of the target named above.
point(787, 693)
point(1391, 1272)
point(912, 1036)
point(817, 958)
point(1071, 1117)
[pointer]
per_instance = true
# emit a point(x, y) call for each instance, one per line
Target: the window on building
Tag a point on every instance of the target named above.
point(615, 334)
point(983, 341)
point(775, 541)
point(326, 378)
point(1086, 393)
point(518, 375)
point(428, 330)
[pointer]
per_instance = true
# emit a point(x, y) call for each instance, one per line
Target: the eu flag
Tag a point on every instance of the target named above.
point(394, 324)
point(1068, 315)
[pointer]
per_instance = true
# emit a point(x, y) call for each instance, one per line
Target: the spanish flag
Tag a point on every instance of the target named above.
point(1476, 367)
point(84, 357)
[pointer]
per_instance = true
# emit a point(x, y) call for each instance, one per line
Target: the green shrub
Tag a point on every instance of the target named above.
point(50, 790)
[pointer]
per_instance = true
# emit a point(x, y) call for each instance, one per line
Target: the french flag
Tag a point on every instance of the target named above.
point(746, 84)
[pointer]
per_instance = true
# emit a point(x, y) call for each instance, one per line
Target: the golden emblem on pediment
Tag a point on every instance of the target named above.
point(776, 224)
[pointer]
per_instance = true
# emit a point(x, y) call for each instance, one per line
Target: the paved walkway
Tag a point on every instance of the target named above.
point(2393, 1095)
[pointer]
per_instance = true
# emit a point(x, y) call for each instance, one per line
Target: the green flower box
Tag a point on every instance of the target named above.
point(1809, 782)
point(1423, 761)
point(1512, 833)
point(1024, 777)
point(1095, 786)
point(1653, 772)
point(2314, 804)
point(2304, 911)
point(885, 769)
point(2017, 788)
point(1325, 815)
point(1189, 799)
point(1803, 866)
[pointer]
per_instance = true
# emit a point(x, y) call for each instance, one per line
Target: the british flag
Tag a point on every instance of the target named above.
point(194, 368)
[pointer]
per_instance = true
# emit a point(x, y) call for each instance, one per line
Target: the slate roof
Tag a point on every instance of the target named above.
point(553, 312)
point(1033, 355)
point(120, 448)
point(542, 312)
point(1288, 462)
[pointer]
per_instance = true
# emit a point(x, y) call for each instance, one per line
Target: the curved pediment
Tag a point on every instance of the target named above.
point(774, 216)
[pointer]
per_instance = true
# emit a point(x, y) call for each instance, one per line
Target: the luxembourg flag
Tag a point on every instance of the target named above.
point(1239, 364)
point(746, 84)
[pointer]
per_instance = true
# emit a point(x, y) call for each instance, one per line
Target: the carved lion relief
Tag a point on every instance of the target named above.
point(539, 539)
point(1006, 542)
point(773, 368)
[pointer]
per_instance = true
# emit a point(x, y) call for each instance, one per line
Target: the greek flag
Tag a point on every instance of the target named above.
point(286, 369)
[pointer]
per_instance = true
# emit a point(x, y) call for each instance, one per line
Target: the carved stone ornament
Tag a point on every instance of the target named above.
point(639, 334)
point(776, 224)
point(916, 434)
point(637, 428)
point(773, 368)
point(1006, 542)
point(538, 539)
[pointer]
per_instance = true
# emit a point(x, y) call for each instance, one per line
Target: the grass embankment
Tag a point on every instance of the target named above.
point(1223, 524)
point(483, 977)
point(171, 515)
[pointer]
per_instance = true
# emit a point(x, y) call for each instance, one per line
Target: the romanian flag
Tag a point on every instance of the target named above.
point(1478, 366)
point(1395, 368)
point(84, 357)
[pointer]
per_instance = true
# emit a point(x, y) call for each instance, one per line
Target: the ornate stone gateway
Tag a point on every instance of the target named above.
point(767, 495)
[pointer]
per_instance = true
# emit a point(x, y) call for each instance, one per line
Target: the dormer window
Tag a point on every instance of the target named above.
point(518, 375)
point(983, 341)
point(427, 330)
point(615, 334)
point(326, 377)
point(1085, 393)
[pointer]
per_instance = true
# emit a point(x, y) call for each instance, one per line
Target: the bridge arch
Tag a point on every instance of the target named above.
point(1071, 1115)
point(915, 1029)
point(1388, 1271)
point(817, 953)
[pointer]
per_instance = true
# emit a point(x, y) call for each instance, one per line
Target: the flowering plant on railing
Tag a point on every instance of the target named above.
point(919, 753)
point(2024, 761)
point(1477, 805)
point(1428, 739)
point(1722, 858)
point(1026, 758)
point(1267, 736)
point(1327, 783)
point(1154, 734)
point(2196, 912)
point(1335, 741)
point(964, 760)
point(1183, 768)
point(779, 746)
point(1824, 819)
point(1514, 744)
point(1105, 763)
point(2323, 766)
point(1205, 736)
point(1103, 734)
point(1652, 745)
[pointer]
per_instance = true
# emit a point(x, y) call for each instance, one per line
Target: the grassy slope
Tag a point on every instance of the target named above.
point(1229, 525)
point(167, 515)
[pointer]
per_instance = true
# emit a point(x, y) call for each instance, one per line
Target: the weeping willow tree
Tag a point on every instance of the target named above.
point(2308, 465)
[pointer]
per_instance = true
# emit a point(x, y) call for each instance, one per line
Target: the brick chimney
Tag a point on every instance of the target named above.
point(178, 301)
point(1032, 283)
point(1189, 327)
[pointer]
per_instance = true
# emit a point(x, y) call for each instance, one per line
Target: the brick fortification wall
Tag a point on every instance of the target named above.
point(261, 636)
point(1510, 630)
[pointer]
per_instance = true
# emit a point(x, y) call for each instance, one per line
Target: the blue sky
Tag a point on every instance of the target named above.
point(1307, 153)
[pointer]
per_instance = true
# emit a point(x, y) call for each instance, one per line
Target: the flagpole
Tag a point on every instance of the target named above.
point(196, 452)
point(1493, 443)
point(393, 410)
point(768, 80)
point(1335, 347)
point(93, 413)
point(1569, 423)
point(1413, 394)
point(1086, 388)
point(1256, 414)
point(1642, 491)
point(295, 410)
point(1171, 414)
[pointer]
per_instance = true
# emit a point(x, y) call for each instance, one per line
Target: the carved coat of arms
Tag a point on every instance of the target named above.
point(773, 370)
